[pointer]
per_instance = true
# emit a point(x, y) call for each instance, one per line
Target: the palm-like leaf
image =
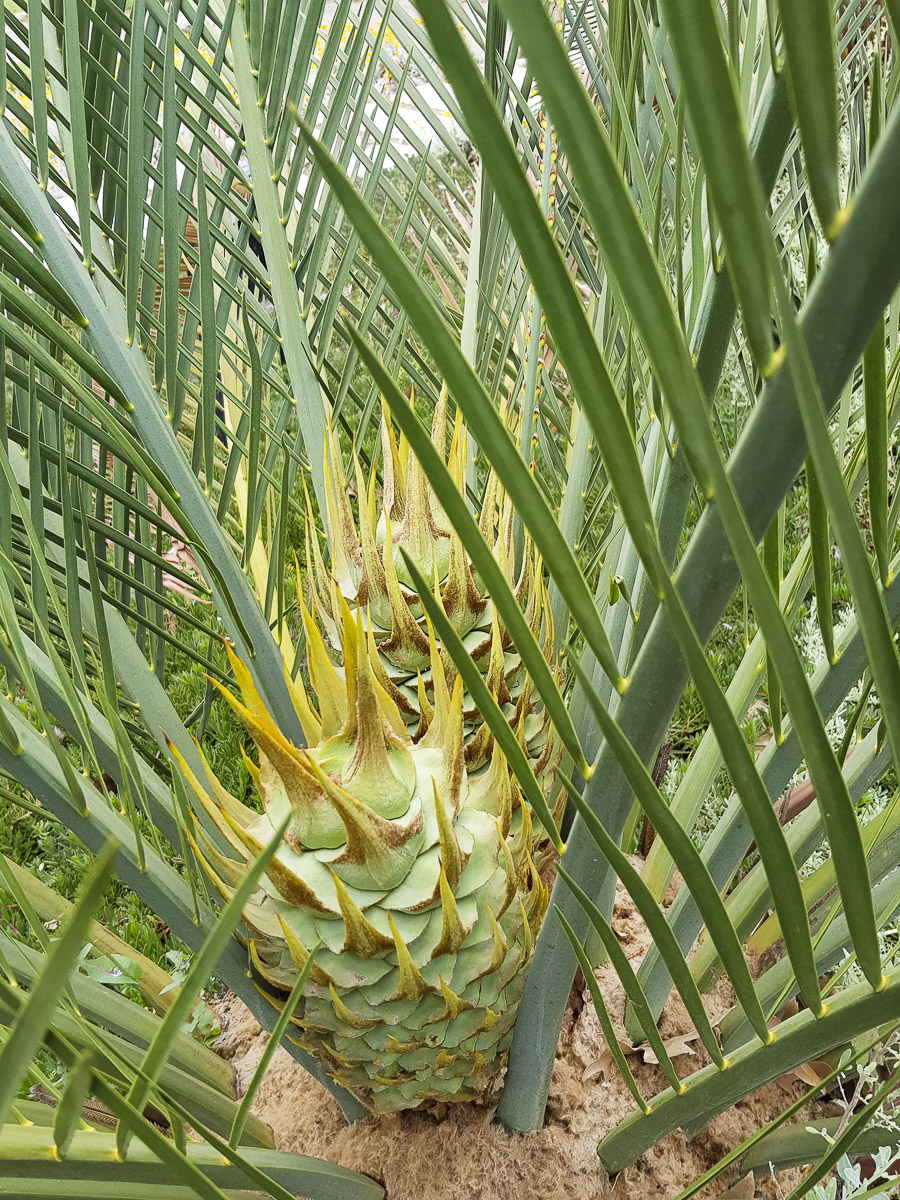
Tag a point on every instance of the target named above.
point(740, 504)
point(185, 305)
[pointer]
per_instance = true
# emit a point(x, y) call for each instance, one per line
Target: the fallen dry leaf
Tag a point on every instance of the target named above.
point(744, 1189)
point(810, 1073)
point(675, 1047)
point(602, 1067)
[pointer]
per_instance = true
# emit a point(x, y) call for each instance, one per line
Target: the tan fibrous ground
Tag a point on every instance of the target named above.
point(460, 1154)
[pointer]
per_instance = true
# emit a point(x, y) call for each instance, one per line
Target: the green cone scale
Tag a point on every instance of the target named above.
point(410, 856)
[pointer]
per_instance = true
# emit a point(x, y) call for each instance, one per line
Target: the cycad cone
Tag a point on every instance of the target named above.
point(410, 853)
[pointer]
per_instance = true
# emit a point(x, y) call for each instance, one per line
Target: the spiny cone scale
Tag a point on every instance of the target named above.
point(409, 859)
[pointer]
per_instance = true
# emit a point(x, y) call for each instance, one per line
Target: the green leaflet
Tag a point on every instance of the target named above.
point(714, 109)
point(808, 30)
point(487, 704)
point(86, 1173)
point(658, 927)
point(709, 1091)
point(203, 963)
point(32, 1019)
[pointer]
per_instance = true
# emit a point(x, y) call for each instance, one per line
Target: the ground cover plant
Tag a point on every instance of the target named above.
point(420, 425)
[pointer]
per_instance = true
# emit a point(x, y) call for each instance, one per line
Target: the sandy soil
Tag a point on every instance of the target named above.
point(460, 1155)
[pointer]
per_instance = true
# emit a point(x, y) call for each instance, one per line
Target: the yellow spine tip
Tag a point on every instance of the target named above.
point(837, 223)
point(882, 984)
point(679, 1091)
point(622, 684)
point(770, 1039)
point(776, 358)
